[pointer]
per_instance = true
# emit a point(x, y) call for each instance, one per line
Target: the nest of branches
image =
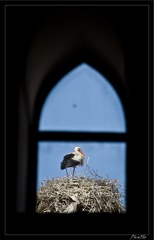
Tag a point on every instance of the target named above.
point(79, 194)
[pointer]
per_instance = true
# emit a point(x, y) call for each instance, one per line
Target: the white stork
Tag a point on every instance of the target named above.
point(73, 159)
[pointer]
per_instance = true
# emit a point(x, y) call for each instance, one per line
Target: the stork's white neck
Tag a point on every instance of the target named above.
point(78, 153)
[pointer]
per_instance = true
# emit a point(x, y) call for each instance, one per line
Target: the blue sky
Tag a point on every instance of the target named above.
point(83, 100)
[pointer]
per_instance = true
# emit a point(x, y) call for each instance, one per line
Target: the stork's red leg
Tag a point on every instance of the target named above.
point(66, 172)
point(73, 172)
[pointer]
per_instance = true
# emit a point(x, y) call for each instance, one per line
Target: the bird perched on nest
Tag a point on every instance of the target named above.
point(73, 159)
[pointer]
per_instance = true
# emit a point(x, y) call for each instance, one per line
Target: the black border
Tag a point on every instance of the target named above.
point(29, 223)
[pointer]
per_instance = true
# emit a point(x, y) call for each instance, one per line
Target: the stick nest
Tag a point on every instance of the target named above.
point(79, 194)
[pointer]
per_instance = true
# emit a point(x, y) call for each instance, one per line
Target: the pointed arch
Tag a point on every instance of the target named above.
point(83, 100)
point(80, 55)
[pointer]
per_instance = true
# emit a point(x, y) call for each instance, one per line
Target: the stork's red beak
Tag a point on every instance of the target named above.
point(82, 153)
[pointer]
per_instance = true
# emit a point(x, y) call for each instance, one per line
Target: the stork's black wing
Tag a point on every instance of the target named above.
point(68, 161)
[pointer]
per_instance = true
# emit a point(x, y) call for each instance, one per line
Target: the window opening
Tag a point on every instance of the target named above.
point(82, 104)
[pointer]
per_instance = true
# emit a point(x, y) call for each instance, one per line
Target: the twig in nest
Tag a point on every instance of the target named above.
point(86, 166)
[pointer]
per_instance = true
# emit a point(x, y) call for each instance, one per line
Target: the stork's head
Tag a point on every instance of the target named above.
point(79, 151)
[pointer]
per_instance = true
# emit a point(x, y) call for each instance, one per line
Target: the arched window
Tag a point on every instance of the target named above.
point(82, 109)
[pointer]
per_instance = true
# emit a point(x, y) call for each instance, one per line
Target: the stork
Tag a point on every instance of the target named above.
point(73, 159)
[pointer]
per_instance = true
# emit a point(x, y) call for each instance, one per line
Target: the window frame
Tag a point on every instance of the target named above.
point(83, 55)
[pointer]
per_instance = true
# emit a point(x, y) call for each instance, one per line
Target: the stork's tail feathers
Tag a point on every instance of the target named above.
point(62, 165)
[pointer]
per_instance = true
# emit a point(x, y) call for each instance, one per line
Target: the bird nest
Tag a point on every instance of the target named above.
point(79, 194)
